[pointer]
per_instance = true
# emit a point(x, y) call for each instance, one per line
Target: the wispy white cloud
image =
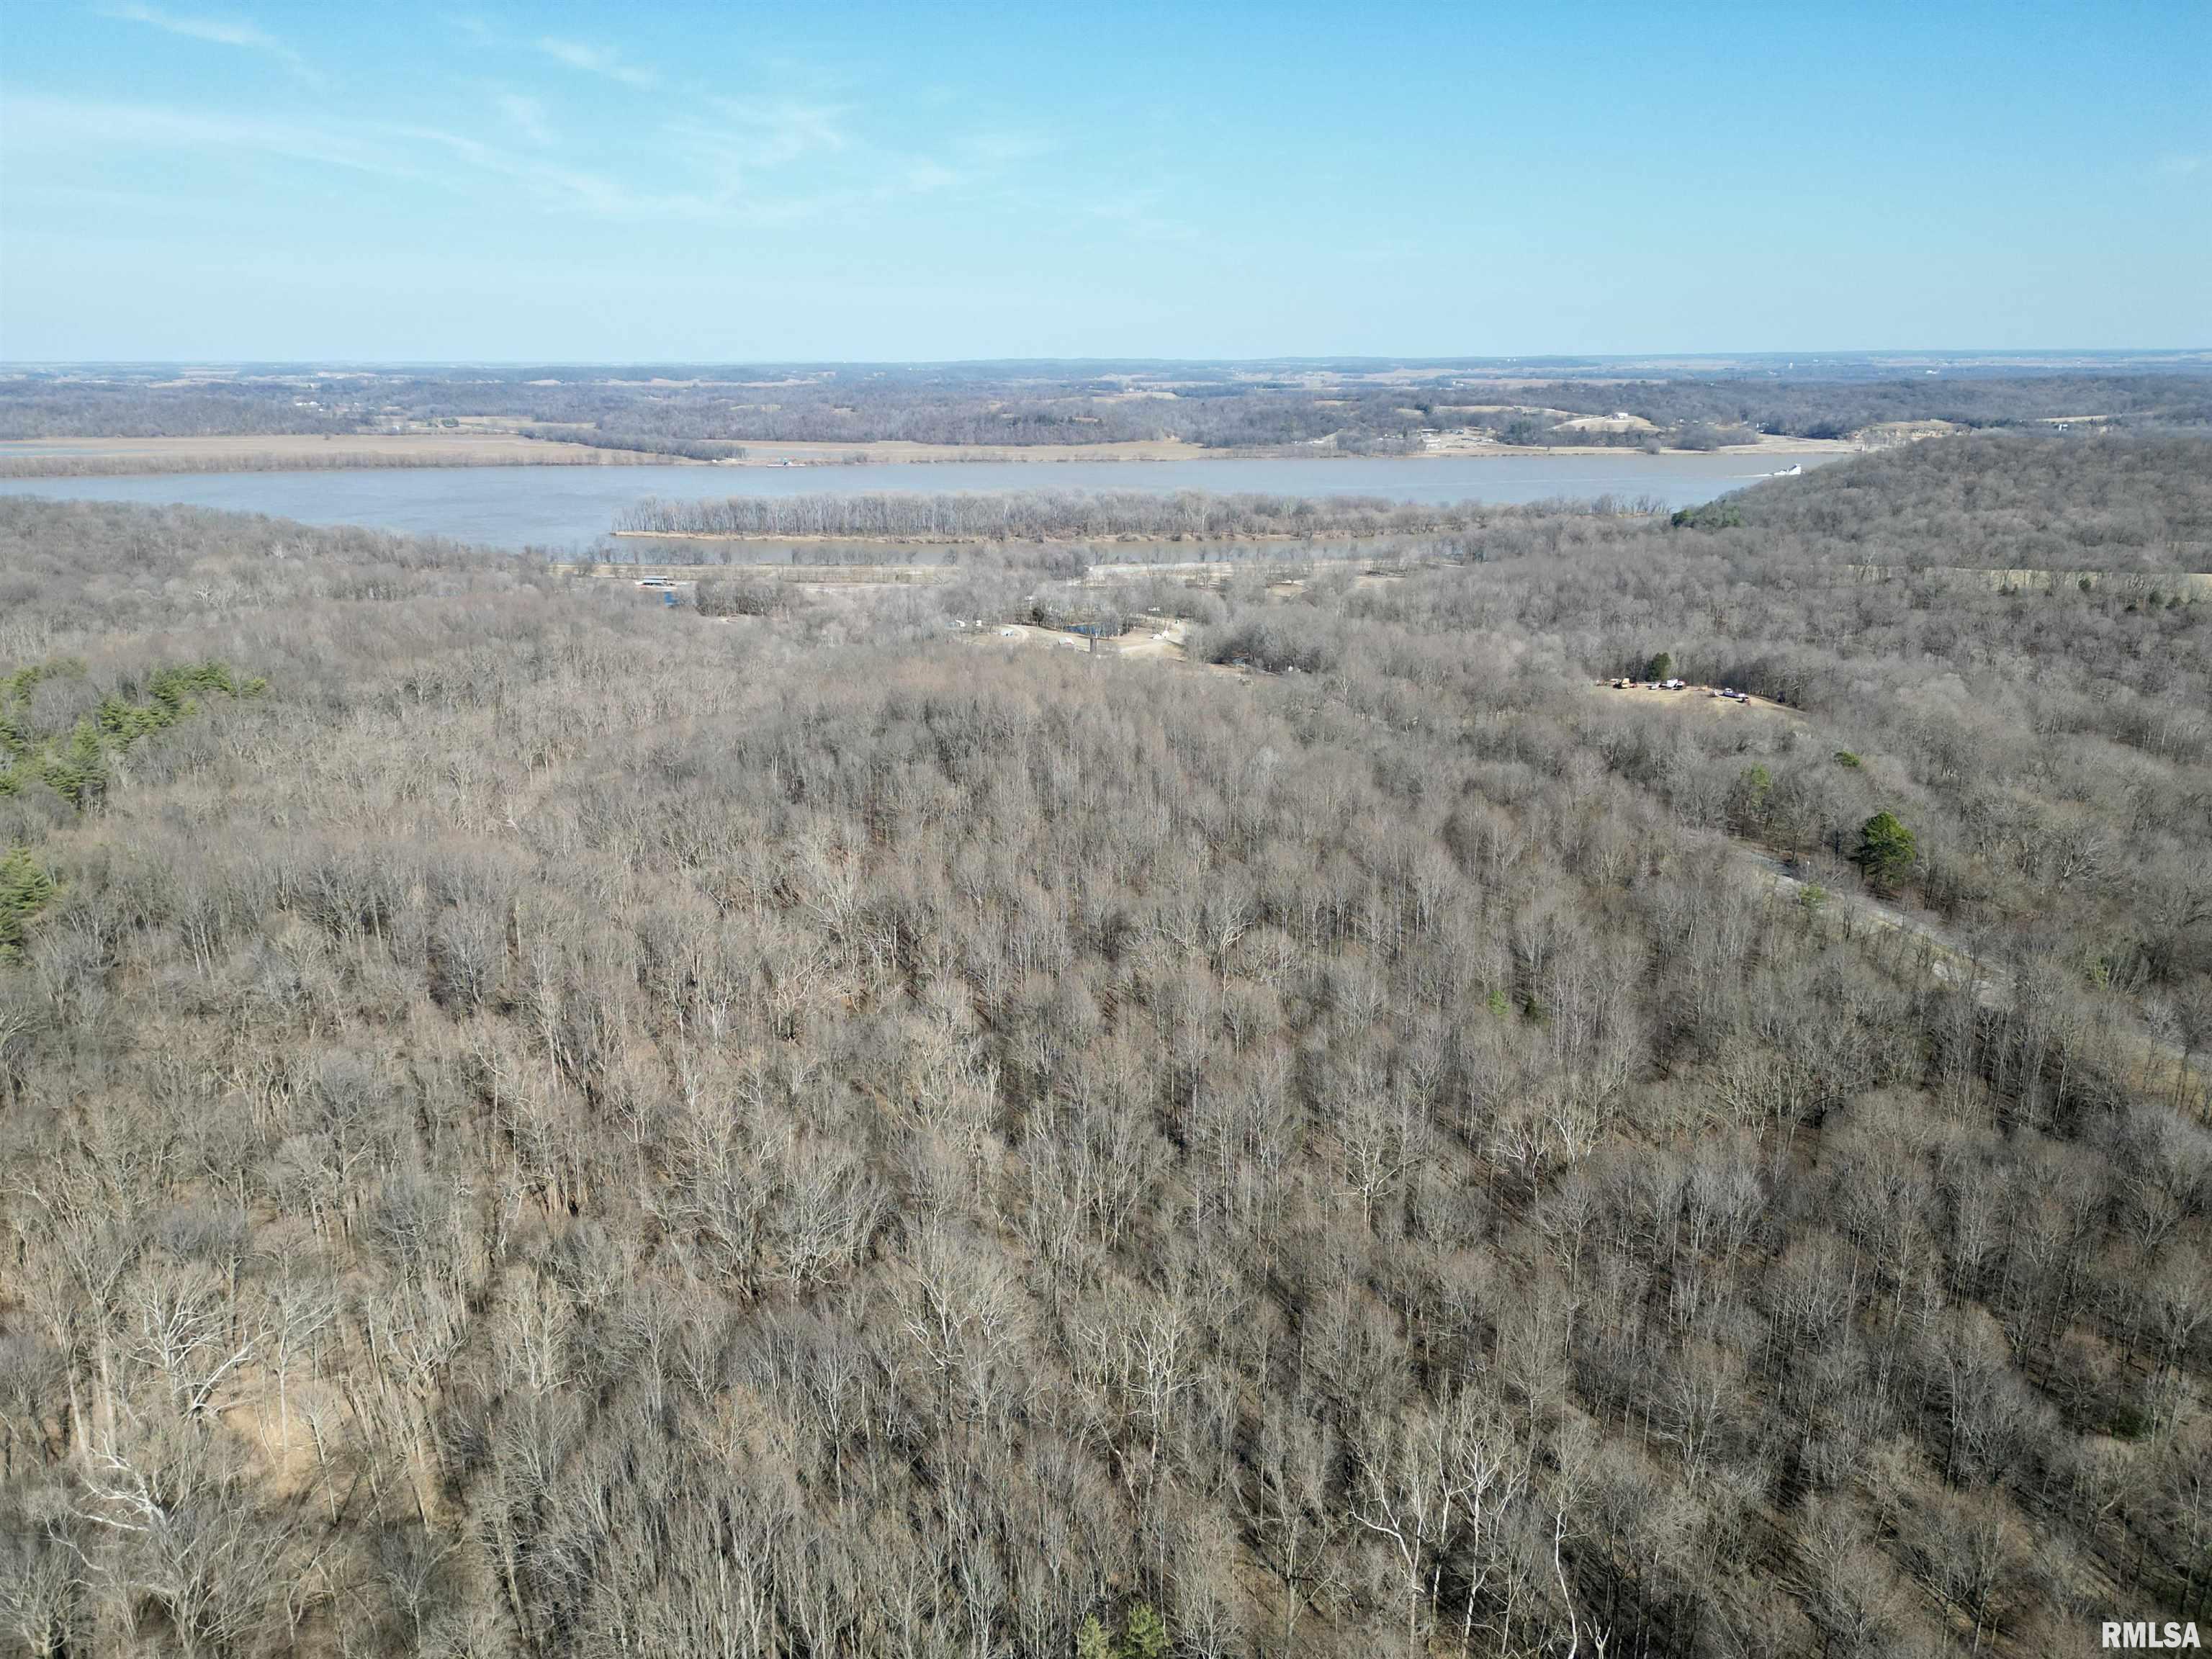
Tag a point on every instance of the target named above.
point(1138, 213)
point(526, 115)
point(807, 149)
point(732, 140)
point(746, 162)
point(56, 128)
point(2182, 166)
point(786, 130)
point(67, 126)
point(596, 60)
point(215, 31)
point(1001, 148)
point(926, 177)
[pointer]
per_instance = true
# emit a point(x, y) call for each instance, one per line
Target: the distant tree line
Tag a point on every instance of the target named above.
point(32, 407)
point(690, 449)
point(1808, 407)
point(710, 415)
point(1045, 516)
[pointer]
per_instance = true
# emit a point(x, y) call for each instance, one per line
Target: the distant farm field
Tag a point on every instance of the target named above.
point(286, 452)
point(77, 457)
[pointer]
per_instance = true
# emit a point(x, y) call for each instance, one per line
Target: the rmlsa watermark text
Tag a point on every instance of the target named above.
point(2145, 1636)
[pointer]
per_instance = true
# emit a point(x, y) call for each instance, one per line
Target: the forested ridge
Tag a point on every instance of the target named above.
point(537, 1123)
point(712, 414)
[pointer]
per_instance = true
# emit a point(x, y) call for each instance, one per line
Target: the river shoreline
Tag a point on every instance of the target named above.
point(573, 508)
point(130, 458)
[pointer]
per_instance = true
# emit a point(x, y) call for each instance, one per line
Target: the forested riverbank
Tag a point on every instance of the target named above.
point(1041, 515)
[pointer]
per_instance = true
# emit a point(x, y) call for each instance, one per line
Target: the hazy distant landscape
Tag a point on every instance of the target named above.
point(323, 445)
point(53, 420)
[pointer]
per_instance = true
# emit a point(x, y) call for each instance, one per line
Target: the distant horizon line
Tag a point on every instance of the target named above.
point(1902, 354)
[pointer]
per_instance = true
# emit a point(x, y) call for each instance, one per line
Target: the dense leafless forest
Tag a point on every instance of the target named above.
point(2144, 505)
point(541, 1123)
point(711, 413)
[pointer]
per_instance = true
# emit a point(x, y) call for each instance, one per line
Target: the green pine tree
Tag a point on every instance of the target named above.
point(1146, 1637)
point(1886, 849)
point(25, 889)
point(77, 774)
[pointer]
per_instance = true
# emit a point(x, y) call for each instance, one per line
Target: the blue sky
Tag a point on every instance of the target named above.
point(191, 180)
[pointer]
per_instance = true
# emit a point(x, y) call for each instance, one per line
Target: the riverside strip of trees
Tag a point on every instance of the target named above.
point(533, 1122)
point(1045, 516)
